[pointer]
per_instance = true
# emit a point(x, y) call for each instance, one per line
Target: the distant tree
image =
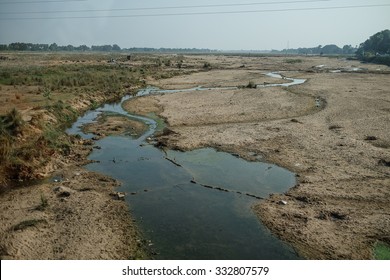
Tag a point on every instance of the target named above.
point(377, 44)
point(116, 48)
point(18, 46)
point(69, 48)
point(82, 48)
point(53, 47)
point(331, 49)
point(376, 49)
point(348, 49)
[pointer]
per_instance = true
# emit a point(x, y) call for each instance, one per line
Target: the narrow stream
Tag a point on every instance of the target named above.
point(190, 205)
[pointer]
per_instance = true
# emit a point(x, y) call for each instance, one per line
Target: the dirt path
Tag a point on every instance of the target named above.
point(333, 131)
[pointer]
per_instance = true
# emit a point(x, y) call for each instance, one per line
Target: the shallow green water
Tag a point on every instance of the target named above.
point(180, 217)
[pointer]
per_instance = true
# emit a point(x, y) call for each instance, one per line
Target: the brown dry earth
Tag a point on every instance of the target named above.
point(339, 150)
point(77, 217)
point(115, 125)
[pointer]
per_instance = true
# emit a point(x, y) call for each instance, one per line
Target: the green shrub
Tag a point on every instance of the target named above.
point(206, 65)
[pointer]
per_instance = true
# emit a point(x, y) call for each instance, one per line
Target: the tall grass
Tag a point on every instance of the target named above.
point(18, 159)
point(11, 123)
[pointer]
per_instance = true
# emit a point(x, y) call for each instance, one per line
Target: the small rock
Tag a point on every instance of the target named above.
point(118, 195)
point(121, 196)
point(282, 202)
point(63, 191)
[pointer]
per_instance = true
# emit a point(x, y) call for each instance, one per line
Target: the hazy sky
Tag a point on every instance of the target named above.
point(213, 24)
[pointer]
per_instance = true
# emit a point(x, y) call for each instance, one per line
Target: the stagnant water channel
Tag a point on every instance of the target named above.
point(191, 205)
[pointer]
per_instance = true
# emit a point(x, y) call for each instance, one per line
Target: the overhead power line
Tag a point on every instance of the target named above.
point(37, 2)
point(167, 7)
point(202, 13)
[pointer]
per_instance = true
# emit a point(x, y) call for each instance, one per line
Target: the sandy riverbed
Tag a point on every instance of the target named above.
point(339, 149)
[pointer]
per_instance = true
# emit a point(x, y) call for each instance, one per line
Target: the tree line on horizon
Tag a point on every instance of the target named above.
point(320, 50)
point(20, 46)
point(375, 49)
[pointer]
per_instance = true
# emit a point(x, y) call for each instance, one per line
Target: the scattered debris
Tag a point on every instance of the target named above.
point(118, 195)
point(173, 161)
point(282, 202)
point(370, 138)
point(318, 102)
point(254, 196)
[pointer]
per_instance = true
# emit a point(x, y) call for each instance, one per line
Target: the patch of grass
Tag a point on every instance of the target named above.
point(94, 105)
point(19, 159)
point(207, 65)
point(56, 139)
point(382, 251)
point(293, 60)
point(44, 203)
point(5, 147)
point(11, 123)
point(64, 114)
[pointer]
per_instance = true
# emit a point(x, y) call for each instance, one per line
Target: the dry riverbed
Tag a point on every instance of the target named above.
point(333, 131)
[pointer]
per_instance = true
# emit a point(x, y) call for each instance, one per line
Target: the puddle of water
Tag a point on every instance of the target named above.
point(184, 220)
point(293, 82)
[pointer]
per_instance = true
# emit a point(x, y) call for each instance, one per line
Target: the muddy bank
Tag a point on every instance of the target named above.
point(73, 215)
point(339, 149)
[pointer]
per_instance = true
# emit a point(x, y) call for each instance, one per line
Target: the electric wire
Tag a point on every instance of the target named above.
point(38, 2)
point(201, 13)
point(167, 7)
